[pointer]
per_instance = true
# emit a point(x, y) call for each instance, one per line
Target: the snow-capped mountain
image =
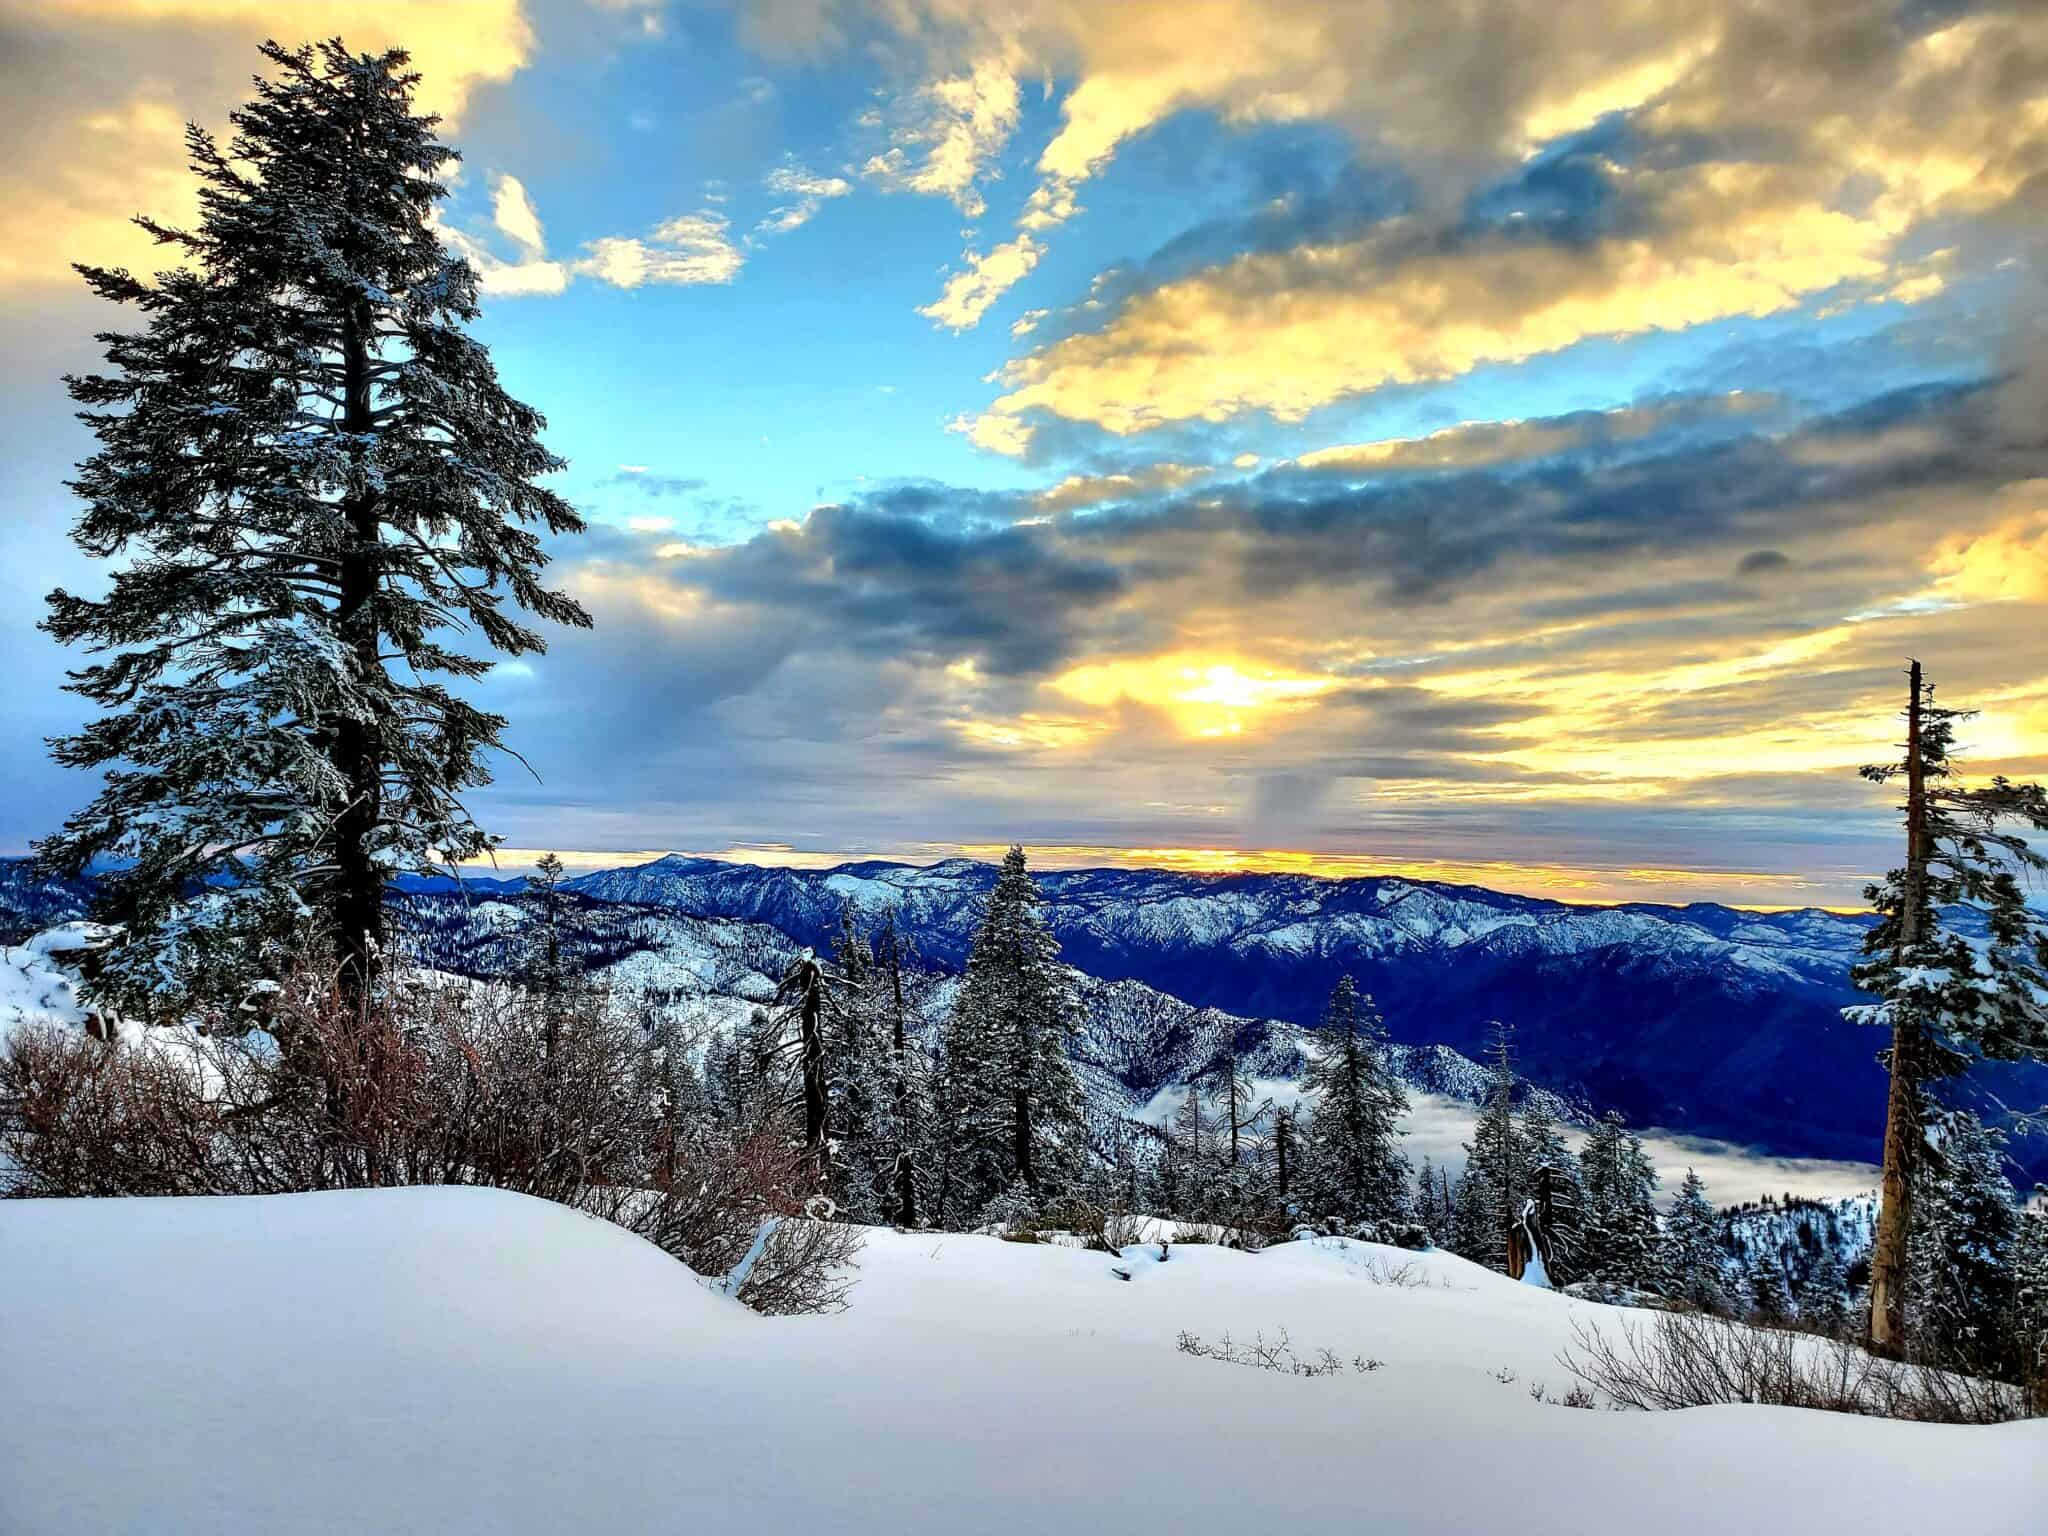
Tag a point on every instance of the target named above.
point(1702, 1018)
point(705, 974)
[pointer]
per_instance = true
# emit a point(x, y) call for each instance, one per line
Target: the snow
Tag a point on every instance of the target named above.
point(39, 986)
point(437, 1359)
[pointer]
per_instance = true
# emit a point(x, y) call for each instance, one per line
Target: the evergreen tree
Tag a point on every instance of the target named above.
point(1945, 999)
point(1286, 1157)
point(1769, 1301)
point(861, 1105)
point(1824, 1297)
point(901, 1160)
point(803, 999)
point(1555, 1188)
point(2027, 1324)
point(1431, 1206)
point(1962, 1250)
point(1194, 1141)
point(1620, 1244)
point(314, 478)
point(1010, 1098)
point(546, 971)
point(1354, 1167)
point(1692, 1248)
point(1495, 1183)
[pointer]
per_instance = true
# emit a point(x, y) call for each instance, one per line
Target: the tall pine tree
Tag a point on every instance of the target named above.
point(318, 488)
point(1945, 999)
point(1354, 1168)
point(1011, 1105)
point(1692, 1248)
point(1495, 1181)
point(1621, 1243)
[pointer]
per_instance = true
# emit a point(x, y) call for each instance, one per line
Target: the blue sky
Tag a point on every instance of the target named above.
point(1342, 437)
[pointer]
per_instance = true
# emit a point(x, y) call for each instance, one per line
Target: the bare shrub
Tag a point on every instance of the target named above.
point(1274, 1355)
point(1691, 1359)
point(556, 1097)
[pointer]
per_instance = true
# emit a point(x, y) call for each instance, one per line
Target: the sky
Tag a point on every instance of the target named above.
point(1470, 439)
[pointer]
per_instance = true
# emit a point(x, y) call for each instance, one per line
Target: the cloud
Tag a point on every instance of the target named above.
point(1076, 491)
point(690, 248)
point(513, 212)
point(808, 193)
point(984, 279)
point(1287, 332)
point(946, 132)
point(1665, 166)
point(94, 96)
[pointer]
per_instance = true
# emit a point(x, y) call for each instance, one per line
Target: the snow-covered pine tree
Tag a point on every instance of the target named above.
point(1692, 1248)
point(804, 997)
point(1241, 1111)
point(1824, 1297)
point(1353, 1167)
point(1770, 1303)
point(1946, 996)
point(902, 1162)
point(861, 1106)
point(545, 969)
point(1286, 1156)
point(1194, 1138)
point(2027, 1326)
point(1491, 1190)
point(1962, 1249)
point(1431, 1209)
point(1009, 1093)
point(1554, 1184)
point(1620, 1244)
point(316, 480)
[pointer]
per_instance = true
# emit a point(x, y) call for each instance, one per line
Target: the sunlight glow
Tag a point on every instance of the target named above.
point(1204, 696)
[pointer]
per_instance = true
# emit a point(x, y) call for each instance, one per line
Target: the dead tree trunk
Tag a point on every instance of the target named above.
point(1902, 1109)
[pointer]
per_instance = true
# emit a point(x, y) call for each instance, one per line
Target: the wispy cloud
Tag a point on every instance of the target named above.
point(806, 192)
point(690, 248)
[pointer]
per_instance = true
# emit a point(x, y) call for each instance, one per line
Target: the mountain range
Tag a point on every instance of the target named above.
point(1700, 1019)
point(1705, 1019)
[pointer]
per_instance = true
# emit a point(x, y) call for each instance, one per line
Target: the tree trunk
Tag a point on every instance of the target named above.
point(813, 1048)
point(1020, 1151)
point(1902, 1107)
point(906, 1174)
point(359, 895)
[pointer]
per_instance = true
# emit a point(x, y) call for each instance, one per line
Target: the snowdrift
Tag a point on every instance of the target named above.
point(470, 1360)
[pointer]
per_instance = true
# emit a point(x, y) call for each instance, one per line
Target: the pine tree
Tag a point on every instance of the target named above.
point(1194, 1139)
point(1010, 1098)
point(1286, 1157)
point(1769, 1301)
point(1491, 1190)
point(803, 999)
point(909, 1114)
point(1962, 1250)
point(1620, 1245)
point(1430, 1206)
point(1555, 1189)
point(314, 479)
point(2027, 1324)
point(1692, 1248)
point(1824, 1297)
point(861, 1106)
point(1945, 1000)
point(1354, 1169)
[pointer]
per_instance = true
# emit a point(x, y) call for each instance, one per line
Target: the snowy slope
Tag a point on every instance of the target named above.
point(469, 1360)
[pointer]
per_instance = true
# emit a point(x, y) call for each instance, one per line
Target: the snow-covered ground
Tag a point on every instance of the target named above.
point(469, 1360)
